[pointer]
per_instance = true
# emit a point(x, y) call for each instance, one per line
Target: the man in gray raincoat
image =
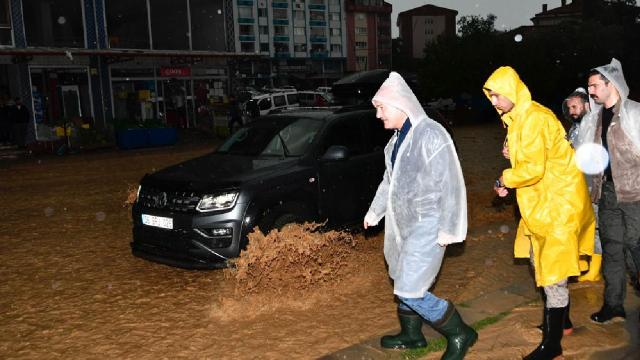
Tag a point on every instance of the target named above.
point(422, 197)
point(614, 124)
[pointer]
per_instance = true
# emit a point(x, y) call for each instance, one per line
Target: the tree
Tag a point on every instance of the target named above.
point(476, 25)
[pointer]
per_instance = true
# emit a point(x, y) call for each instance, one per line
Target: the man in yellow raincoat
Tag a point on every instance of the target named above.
point(557, 224)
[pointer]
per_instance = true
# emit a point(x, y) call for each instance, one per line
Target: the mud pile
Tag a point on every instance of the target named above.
point(297, 258)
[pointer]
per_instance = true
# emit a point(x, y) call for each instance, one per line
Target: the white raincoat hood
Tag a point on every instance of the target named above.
point(422, 197)
point(629, 109)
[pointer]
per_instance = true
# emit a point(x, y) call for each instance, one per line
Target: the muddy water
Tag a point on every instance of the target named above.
point(71, 289)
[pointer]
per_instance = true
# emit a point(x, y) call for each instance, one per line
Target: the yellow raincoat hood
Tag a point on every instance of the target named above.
point(557, 218)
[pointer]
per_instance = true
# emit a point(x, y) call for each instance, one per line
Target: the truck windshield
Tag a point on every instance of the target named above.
point(273, 138)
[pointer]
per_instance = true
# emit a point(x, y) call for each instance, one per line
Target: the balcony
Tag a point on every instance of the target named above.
point(320, 54)
point(317, 39)
point(282, 54)
point(313, 7)
point(281, 38)
point(245, 2)
point(251, 38)
point(280, 21)
point(246, 20)
point(317, 23)
point(280, 5)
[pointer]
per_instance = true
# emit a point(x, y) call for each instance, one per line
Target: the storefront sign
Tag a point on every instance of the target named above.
point(175, 71)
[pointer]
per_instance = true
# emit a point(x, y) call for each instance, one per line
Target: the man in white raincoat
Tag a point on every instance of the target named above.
point(423, 200)
point(614, 125)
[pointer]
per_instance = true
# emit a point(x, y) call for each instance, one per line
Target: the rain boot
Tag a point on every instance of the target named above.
point(460, 336)
point(594, 269)
point(410, 335)
point(567, 325)
point(550, 347)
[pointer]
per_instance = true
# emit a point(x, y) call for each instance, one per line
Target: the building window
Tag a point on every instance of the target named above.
point(63, 93)
point(300, 47)
point(280, 14)
point(281, 47)
point(5, 23)
point(264, 47)
point(280, 30)
point(318, 31)
point(299, 31)
point(53, 23)
point(334, 2)
point(334, 16)
point(361, 44)
point(361, 63)
point(360, 16)
point(262, 12)
point(207, 25)
point(361, 30)
point(247, 47)
point(335, 32)
point(246, 29)
point(245, 12)
point(169, 25)
point(298, 15)
point(317, 15)
point(264, 30)
point(127, 24)
point(336, 48)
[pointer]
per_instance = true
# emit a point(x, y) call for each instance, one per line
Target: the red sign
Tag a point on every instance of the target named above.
point(175, 71)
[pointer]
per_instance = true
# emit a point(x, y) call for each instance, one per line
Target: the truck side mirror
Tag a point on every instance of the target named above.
point(336, 153)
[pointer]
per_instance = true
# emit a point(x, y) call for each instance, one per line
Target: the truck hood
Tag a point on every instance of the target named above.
point(215, 171)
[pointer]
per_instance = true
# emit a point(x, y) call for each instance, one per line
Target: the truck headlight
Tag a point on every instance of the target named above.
point(217, 201)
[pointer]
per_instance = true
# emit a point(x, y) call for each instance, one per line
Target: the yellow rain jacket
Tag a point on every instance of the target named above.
point(557, 217)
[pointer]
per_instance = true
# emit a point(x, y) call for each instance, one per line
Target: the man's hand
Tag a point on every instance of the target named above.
point(505, 152)
point(365, 223)
point(499, 188)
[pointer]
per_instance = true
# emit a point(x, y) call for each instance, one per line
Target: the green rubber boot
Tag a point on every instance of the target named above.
point(410, 335)
point(460, 336)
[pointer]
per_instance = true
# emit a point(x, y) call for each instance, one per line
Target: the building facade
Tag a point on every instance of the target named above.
point(422, 25)
point(302, 41)
point(368, 29)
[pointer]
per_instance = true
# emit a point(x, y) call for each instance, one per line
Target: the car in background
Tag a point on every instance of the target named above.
point(314, 98)
point(323, 89)
point(262, 104)
point(315, 165)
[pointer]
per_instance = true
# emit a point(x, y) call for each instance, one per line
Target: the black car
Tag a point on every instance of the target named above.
point(299, 165)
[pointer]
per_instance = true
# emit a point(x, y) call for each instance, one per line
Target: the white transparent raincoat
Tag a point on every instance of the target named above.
point(423, 198)
point(629, 109)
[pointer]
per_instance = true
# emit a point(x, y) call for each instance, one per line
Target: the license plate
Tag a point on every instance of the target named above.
point(157, 221)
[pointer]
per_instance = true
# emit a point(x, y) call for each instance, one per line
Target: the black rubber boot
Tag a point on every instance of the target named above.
point(567, 325)
point(551, 346)
point(410, 335)
point(460, 336)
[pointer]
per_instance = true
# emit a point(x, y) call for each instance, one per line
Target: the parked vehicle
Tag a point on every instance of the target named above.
point(264, 103)
point(324, 89)
point(314, 98)
point(299, 165)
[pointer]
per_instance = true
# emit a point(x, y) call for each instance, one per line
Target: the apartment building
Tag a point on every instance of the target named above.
point(303, 41)
point(422, 25)
point(368, 29)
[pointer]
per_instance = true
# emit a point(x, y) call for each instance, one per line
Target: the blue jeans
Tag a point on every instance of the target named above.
point(430, 307)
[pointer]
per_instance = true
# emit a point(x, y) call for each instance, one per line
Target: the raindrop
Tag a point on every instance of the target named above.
point(62, 20)
point(490, 231)
point(504, 229)
point(39, 161)
point(517, 38)
point(65, 209)
point(592, 158)
point(219, 12)
point(100, 216)
point(48, 211)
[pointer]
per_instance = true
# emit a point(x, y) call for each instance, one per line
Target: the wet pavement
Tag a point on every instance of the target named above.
point(585, 298)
